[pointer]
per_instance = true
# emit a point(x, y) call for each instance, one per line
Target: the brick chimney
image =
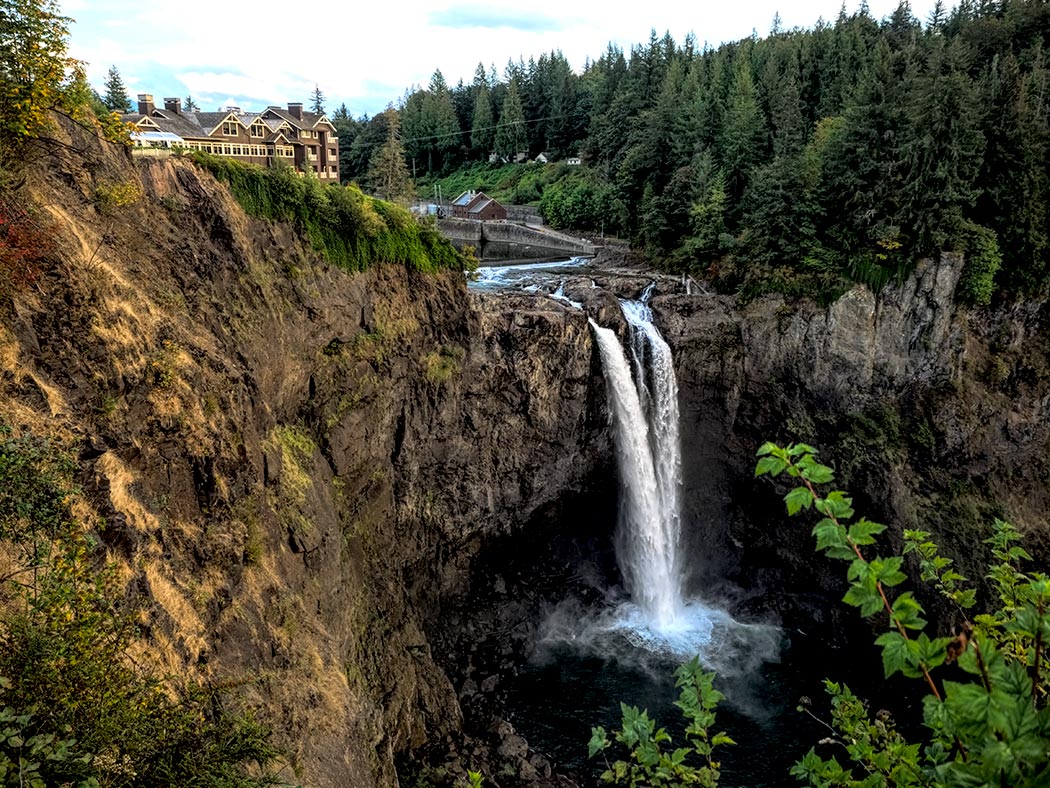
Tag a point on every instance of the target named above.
point(173, 105)
point(145, 104)
point(296, 111)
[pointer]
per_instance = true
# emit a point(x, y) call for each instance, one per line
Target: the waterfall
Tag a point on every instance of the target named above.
point(645, 419)
point(657, 621)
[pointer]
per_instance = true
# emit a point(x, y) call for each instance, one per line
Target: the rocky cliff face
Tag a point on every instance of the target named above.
point(293, 465)
point(934, 415)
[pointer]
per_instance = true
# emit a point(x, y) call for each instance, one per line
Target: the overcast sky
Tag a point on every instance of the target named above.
point(366, 53)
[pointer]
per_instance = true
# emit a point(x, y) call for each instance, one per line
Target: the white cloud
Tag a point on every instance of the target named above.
point(367, 54)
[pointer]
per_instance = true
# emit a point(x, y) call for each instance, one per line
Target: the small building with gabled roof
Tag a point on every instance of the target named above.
point(478, 206)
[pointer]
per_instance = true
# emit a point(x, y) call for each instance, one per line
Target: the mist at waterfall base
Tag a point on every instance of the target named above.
point(589, 658)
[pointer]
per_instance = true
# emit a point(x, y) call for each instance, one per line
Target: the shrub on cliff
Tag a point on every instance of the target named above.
point(350, 229)
point(38, 77)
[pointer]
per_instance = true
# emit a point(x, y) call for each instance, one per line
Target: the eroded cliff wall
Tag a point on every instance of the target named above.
point(935, 416)
point(292, 464)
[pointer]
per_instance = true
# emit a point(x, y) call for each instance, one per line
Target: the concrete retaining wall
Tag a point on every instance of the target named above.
point(528, 214)
point(506, 239)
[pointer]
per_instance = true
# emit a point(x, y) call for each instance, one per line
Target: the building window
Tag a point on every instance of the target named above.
point(258, 130)
point(229, 129)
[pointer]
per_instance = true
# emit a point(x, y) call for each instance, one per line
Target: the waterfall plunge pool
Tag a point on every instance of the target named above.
point(565, 690)
point(591, 657)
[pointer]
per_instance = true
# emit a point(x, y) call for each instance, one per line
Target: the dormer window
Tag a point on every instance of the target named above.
point(258, 129)
point(229, 129)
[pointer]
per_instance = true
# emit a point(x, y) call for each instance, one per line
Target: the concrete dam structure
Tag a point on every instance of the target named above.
point(506, 240)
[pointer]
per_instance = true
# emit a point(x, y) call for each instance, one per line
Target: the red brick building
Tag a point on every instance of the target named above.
point(477, 205)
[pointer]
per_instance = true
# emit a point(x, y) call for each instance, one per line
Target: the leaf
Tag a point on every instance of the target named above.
point(888, 570)
point(771, 465)
point(599, 741)
point(829, 534)
point(864, 531)
point(721, 738)
point(908, 611)
point(765, 448)
point(814, 471)
point(931, 652)
point(867, 599)
point(798, 499)
point(895, 653)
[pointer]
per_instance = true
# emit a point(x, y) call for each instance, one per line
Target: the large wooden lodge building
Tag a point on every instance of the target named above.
point(304, 140)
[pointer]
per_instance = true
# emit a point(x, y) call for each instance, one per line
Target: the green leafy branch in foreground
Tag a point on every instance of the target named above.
point(649, 764)
point(990, 729)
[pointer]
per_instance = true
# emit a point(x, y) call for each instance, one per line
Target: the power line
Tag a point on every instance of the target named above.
point(493, 128)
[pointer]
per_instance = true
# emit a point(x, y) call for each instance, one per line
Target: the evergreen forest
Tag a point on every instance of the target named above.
point(795, 162)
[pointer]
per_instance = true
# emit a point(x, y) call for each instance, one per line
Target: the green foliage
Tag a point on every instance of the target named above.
point(76, 709)
point(582, 202)
point(37, 75)
point(649, 763)
point(848, 151)
point(992, 727)
point(350, 229)
point(442, 365)
point(111, 196)
point(983, 259)
point(387, 172)
point(511, 135)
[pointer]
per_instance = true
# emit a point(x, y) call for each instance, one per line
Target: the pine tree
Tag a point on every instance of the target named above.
point(190, 105)
point(743, 131)
point(562, 126)
point(366, 136)
point(789, 131)
point(440, 123)
point(388, 172)
point(317, 101)
point(116, 97)
point(862, 174)
point(1015, 199)
point(943, 150)
point(483, 132)
point(511, 136)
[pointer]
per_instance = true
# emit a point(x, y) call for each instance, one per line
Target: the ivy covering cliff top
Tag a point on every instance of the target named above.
point(347, 227)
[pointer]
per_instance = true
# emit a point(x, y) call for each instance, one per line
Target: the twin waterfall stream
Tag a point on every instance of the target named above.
point(592, 655)
point(643, 400)
point(645, 418)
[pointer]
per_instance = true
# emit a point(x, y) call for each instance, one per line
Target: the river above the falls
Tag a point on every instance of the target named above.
point(524, 276)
